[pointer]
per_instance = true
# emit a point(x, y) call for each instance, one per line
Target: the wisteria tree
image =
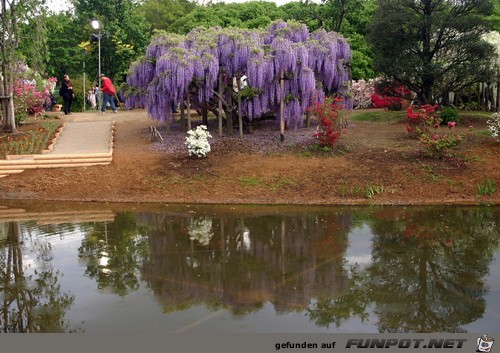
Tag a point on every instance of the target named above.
point(288, 70)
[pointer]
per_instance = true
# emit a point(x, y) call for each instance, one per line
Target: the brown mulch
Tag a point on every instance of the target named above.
point(373, 163)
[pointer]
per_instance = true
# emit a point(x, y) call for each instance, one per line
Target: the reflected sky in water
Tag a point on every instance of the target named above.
point(253, 270)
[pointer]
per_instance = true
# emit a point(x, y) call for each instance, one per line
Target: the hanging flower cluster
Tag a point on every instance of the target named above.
point(306, 65)
point(197, 141)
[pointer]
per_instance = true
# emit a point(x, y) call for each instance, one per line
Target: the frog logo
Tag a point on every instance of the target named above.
point(484, 343)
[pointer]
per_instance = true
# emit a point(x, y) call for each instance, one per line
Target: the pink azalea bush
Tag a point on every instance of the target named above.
point(419, 121)
point(28, 98)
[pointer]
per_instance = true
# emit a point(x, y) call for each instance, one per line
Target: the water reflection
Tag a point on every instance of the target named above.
point(241, 263)
point(31, 296)
point(429, 261)
point(397, 269)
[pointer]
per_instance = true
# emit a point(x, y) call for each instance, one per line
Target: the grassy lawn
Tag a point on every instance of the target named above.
point(381, 115)
point(377, 115)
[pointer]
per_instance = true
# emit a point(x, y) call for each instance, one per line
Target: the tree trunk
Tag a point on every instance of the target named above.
point(427, 91)
point(9, 121)
point(240, 116)
point(229, 115)
point(188, 102)
point(220, 104)
point(183, 116)
point(498, 92)
point(7, 100)
point(204, 114)
point(480, 95)
point(282, 106)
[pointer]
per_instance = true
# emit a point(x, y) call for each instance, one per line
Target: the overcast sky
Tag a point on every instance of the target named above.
point(61, 5)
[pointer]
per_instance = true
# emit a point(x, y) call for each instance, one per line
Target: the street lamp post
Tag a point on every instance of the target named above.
point(96, 26)
point(84, 79)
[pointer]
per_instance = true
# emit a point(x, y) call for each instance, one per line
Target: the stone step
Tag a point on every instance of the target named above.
point(58, 160)
point(51, 163)
point(56, 217)
point(10, 171)
point(71, 156)
point(54, 164)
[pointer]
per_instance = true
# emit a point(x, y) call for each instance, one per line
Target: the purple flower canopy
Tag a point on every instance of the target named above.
point(313, 65)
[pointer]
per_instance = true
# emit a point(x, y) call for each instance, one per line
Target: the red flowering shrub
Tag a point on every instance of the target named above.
point(419, 119)
point(332, 120)
point(388, 95)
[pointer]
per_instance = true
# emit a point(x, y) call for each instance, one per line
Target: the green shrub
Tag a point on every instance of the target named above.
point(448, 115)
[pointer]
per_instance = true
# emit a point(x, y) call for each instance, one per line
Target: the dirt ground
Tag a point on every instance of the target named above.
point(375, 163)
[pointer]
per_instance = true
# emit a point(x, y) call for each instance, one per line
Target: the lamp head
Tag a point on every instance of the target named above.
point(95, 24)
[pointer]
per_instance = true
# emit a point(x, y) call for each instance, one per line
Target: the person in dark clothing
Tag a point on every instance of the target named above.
point(66, 91)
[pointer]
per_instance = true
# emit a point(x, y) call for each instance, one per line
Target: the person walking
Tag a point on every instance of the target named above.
point(66, 92)
point(108, 92)
point(91, 98)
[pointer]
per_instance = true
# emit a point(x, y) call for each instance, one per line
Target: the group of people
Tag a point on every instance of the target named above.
point(106, 94)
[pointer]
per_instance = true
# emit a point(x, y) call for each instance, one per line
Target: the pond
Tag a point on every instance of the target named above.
point(248, 269)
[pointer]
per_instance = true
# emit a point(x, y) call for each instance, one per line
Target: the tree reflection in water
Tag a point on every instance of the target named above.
point(31, 295)
point(426, 274)
point(113, 253)
point(429, 267)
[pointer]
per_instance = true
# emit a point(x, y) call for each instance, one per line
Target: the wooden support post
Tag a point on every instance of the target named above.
point(188, 111)
point(229, 118)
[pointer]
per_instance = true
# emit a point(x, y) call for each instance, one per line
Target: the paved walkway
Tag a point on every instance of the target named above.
point(79, 137)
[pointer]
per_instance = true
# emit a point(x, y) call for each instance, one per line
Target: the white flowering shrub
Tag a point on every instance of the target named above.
point(197, 141)
point(494, 125)
point(361, 92)
point(200, 229)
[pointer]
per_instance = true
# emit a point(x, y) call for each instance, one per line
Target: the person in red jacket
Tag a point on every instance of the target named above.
point(108, 92)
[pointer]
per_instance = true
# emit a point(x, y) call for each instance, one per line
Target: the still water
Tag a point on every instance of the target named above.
point(249, 269)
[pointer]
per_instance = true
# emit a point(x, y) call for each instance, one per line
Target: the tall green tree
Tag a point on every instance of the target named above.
point(432, 46)
point(161, 14)
point(253, 14)
point(125, 33)
point(12, 14)
point(63, 37)
point(33, 42)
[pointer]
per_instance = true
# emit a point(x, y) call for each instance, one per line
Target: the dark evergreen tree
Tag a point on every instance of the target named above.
point(432, 46)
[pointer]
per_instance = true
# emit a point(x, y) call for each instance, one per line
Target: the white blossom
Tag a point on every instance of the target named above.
point(494, 125)
point(197, 141)
point(200, 230)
